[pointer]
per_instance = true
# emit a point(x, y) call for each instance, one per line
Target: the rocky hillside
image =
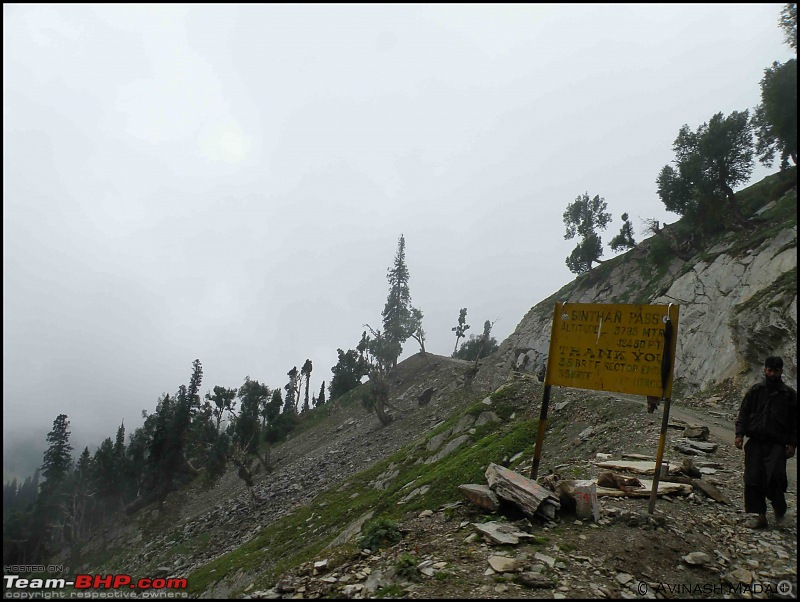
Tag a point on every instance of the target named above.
point(354, 509)
point(345, 479)
point(737, 298)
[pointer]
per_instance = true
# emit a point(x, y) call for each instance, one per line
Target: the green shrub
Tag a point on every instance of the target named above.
point(406, 566)
point(380, 533)
point(660, 251)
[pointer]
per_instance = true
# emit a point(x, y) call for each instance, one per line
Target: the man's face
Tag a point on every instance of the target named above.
point(772, 372)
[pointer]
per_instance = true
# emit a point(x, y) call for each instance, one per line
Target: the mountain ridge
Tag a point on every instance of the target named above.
point(342, 464)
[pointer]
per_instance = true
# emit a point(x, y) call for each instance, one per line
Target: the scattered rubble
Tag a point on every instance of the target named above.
point(617, 550)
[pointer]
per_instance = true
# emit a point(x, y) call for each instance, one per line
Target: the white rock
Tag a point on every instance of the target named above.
point(624, 578)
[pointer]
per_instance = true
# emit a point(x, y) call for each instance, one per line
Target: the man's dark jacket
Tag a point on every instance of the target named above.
point(769, 413)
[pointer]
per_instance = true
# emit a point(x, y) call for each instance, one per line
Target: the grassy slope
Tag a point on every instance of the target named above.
point(305, 532)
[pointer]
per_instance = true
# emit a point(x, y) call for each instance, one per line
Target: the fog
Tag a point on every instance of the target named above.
point(229, 183)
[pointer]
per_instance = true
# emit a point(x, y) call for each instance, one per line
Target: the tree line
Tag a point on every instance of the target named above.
point(375, 356)
point(710, 161)
point(190, 437)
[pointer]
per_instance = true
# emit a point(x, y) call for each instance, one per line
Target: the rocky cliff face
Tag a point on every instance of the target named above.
point(738, 304)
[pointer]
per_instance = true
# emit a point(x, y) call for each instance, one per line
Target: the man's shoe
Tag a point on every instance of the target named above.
point(780, 519)
point(757, 522)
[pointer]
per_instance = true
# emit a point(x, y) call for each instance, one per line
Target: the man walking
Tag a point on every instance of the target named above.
point(768, 417)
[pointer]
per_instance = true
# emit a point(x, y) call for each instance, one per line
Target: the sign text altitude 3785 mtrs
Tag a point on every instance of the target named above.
point(608, 347)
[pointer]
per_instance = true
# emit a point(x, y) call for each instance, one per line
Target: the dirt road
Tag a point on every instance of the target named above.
point(722, 431)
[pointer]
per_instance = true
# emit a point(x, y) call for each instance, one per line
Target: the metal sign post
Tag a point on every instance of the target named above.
point(609, 347)
point(666, 371)
point(537, 453)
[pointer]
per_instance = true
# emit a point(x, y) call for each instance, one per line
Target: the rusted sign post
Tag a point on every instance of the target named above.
point(605, 347)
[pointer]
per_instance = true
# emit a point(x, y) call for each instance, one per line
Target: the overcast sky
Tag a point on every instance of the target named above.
point(229, 183)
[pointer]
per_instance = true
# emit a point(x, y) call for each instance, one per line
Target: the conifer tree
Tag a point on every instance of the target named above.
point(289, 405)
point(247, 433)
point(774, 121)
point(50, 511)
point(247, 426)
point(305, 371)
point(9, 495)
point(350, 368)
point(397, 316)
point(57, 458)
point(275, 405)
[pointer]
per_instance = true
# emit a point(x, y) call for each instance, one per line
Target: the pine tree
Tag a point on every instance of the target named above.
point(306, 373)
point(278, 424)
point(57, 458)
point(50, 511)
point(289, 404)
point(397, 314)
point(170, 466)
point(10, 496)
point(82, 502)
point(166, 465)
point(274, 405)
point(774, 121)
point(350, 368)
point(247, 433)
point(247, 426)
point(265, 409)
point(30, 490)
point(194, 385)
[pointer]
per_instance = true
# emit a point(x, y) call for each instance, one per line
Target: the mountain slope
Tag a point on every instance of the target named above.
point(738, 301)
point(342, 467)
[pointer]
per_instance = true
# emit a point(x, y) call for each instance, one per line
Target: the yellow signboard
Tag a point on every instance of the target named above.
point(608, 347)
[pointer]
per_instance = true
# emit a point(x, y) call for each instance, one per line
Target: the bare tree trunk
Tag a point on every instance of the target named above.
point(380, 389)
point(266, 461)
point(382, 415)
point(733, 205)
point(239, 458)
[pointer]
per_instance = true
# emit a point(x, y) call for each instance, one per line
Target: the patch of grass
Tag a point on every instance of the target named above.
point(390, 591)
point(468, 464)
point(752, 198)
point(285, 543)
point(340, 554)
